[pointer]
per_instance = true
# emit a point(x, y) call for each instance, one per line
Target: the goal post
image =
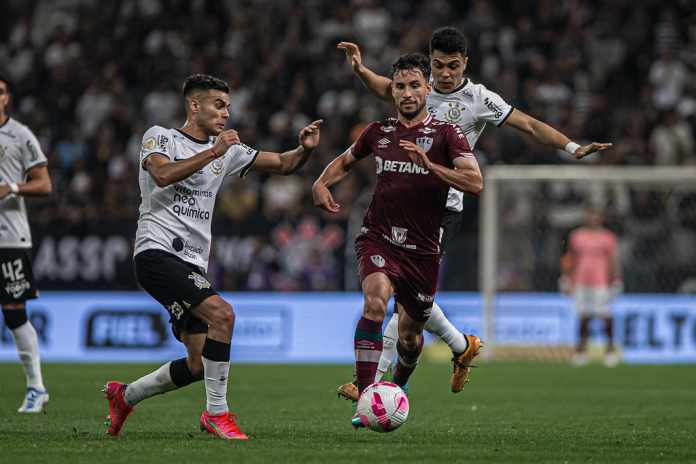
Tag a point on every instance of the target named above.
point(527, 211)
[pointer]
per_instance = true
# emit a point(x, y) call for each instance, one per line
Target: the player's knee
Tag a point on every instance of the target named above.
point(222, 315)
point(375, 307)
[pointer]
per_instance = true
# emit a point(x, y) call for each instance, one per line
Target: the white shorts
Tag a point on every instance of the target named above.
point(592, 301)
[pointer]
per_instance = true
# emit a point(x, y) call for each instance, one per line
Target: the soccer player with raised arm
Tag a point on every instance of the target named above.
point(181, 172)
point(418, 159)
point(457, 100)
point(23, 172)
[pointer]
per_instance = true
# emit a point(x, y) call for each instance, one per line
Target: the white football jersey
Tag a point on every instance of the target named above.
point(19, 152)
point(470, 107)
point(177, 218)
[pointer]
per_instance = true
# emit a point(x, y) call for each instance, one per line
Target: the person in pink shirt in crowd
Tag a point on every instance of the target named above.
point(591, 273)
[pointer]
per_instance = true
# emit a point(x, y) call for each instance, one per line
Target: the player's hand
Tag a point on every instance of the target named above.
point(4, 191)
point(224, 141)
point(416, 153)
point(585, 150)
point(323, 199)
point(309, 136)
point(352, 54)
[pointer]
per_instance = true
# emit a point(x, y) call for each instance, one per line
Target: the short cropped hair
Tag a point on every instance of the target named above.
point(6, 80)
point(449, 40)
point(203, 82)
point(412, 61)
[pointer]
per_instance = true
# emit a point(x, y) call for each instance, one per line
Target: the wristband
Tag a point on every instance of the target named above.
point(14, 188)
point(571, 147)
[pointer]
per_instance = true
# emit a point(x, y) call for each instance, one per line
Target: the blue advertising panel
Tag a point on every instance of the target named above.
point(318, 327)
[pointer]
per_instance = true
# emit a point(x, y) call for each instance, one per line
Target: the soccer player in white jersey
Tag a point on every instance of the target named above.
point(23, 172)
point(458, 100)
point(181, 173)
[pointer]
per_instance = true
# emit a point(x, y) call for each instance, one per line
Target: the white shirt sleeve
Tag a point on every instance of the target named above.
point(158, 140)
point(491, 107)
point(31, 151)
point(240, 158)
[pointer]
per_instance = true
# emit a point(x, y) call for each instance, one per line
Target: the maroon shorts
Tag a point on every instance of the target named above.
point(414, 277)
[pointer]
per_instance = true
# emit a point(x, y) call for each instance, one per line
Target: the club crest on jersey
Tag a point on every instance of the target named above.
point(377, 260)
point(454, 113)
point(150, 143)
point(216, 166)
point(424, 142)
point(199, 281)
point(399, 234)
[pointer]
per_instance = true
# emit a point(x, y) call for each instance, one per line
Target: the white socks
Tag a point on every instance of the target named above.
point(439, 325)
point(157, 382)
point(389, 338)
point(27, 344)
point(215, 376)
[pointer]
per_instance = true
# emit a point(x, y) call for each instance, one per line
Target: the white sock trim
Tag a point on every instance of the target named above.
point(27, 343)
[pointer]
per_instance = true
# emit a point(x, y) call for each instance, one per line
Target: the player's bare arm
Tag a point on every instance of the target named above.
point(379, 85)
point(166, 172)
point(39, 184)
point(334, 172)
point(292, 160)
point(465, 177)
point(547, 135)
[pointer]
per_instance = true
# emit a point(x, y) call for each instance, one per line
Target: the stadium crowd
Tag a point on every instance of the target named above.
point(89, 77)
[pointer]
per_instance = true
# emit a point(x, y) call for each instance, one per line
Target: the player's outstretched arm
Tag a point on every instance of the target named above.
point(39, 183)
point(166, 172)
point(547, 135)
point(292, 160)
point(334, 172)
point(465, 177)
point(379, 85)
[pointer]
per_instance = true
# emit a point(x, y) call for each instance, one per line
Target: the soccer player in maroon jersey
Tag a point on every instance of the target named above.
point(418, 159)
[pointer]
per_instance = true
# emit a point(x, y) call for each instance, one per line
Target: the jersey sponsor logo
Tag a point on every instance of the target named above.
point(249, 151)
point(377, 260)
point(186, 204)
point(497, 111)
point(216, 166)
point(399, 234)
point(150, 144)
point(424, 142)
point(425, 298)
point(199, 281)
point(406, 167)
point(162, 141)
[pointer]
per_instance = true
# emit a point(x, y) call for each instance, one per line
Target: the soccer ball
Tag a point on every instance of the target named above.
point(383, 407)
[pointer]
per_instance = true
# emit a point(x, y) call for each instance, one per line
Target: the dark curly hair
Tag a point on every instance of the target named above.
point(412, 61)
point(449, 40)
point(203, 82)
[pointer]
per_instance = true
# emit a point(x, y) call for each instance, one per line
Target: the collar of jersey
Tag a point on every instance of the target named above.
point(424, 122)
point(193, 139)
point(5, 123)
point(464, 84)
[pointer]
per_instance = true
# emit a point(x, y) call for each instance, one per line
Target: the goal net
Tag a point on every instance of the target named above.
point(527, 213)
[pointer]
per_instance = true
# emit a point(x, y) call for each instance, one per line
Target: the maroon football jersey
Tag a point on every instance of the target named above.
point(408, 202)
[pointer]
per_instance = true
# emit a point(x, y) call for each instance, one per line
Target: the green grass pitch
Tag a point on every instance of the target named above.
point(508, 413)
